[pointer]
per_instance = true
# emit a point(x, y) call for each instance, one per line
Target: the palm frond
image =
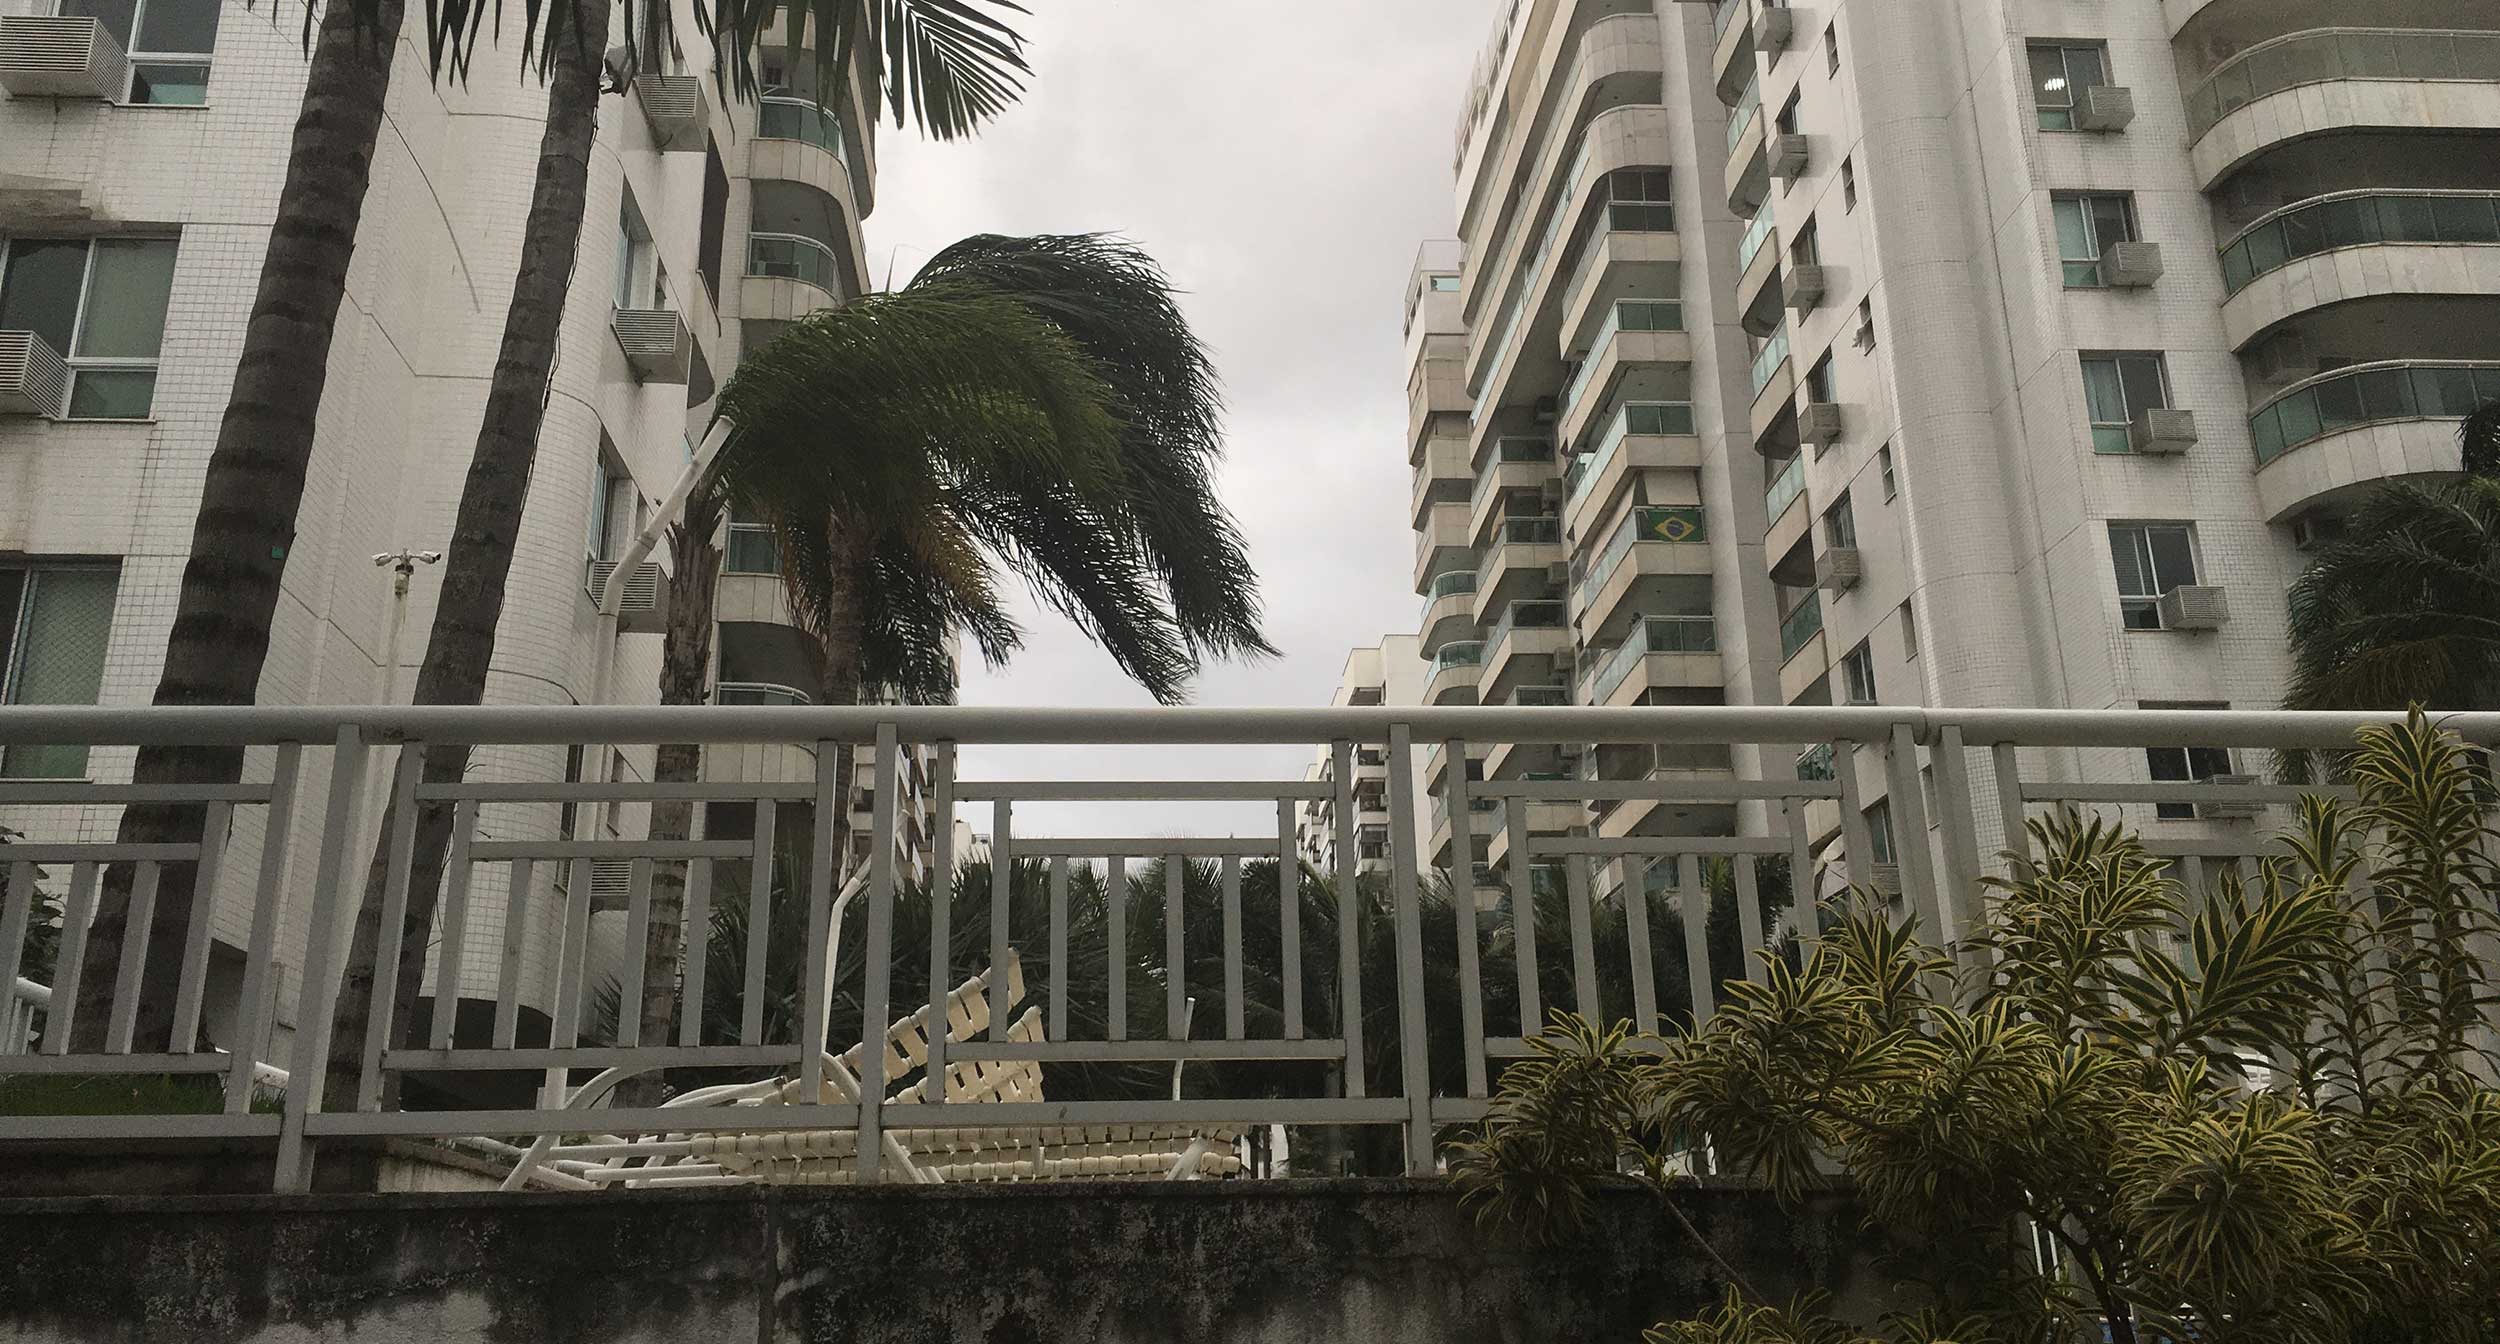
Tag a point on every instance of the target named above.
point(943, 66)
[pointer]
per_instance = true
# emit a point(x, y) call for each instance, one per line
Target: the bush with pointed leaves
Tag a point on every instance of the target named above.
point(2263, 1115)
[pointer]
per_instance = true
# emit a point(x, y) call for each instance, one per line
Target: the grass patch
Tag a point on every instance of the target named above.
point(123, 1094)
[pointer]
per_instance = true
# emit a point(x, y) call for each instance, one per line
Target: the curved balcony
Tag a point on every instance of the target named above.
point(1642, 352)
point(1657, 558)
point(1454, 672)
point(788, 276)
point(1622, 63)
point(2362, 424)
point(1731, 51)
point(1442, 473)
point(759, 693)
point(1449, 610)
point(1642, 436)
point(2382, 78)
point(1760, 303)
point(2356, 245)
point(1774, 387)
point(1805, 652)
point(1444, 542)
point(1748, 158)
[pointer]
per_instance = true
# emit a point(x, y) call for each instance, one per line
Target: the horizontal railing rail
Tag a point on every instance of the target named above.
point(1105, 954)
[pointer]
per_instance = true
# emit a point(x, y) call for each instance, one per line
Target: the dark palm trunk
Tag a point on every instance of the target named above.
point(843, 640)
point(479, 558)
point(255, 481)
point(685, 661)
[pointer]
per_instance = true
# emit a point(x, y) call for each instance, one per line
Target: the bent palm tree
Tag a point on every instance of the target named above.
point(2406, 609)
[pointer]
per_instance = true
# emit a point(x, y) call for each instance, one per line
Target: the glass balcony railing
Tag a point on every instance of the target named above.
point(2325, 54)
point(1537, 531)
point(1534, 614)
point(1466, 653)
point(789, 256)
point(758, 693)
point(1670, 524)
point(1742, 115)
point(2356, 219)
point(1654, 634)
point(1452, 584)
point(1785, 487)
point(781, 117)
point(1799, 627)
point(1724, 15)
point(1539, 695)
point(1507, 450)
point(1815, 763)
point(1767, 360)
point(1756, 234)
point(1628, 315)
point(2367, 394)
point(1636, 417)
point(751, 550)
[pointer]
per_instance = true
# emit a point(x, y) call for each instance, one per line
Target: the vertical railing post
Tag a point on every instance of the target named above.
point(318, 993)
point(1909, 831)
point(1463, 874)
point(1958, 897)
point(259, 1001)
point(876, 994)
point(833, 794)
point(1349, 916)
point(2007, 762)
point(1416, 1065)
point(942, 918)
point(381, 1011)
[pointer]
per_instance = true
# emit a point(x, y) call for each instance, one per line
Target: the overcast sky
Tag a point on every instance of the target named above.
point(1283, 159)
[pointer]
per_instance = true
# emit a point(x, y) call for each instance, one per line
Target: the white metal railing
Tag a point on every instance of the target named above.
point(1489, 973)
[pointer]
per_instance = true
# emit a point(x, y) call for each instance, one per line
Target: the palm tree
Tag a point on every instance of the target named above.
point(2405, 609)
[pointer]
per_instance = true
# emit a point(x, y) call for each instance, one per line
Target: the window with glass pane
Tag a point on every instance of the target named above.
point(2086, 226)
point(168, 41)
point(54, 623)
point(1840, 524)
point(1819, 386)
point(1649, 315)
point(637, 259)
point(2151, 559)
point(1639, 200)
point(2059, 75)
point(2118, 388)
point(1848, 185)
point(1658, 417)
point(1445, 284)
point(101, 303)
point(2183, 765)
point(1807, 250)
point(1787, 123)
point(1879, 831)
point(1883, 464)
point(1857, 672)
point(1909, 630)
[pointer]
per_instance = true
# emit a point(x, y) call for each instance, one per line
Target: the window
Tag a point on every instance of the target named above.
point(2116, 389)
point(2059, 75)
point(1865, 336)
point(1879, 831)
point(1848, 185)
point(751, 549)
point(1787, 123)
point(1638, 200)
point(1840, 524)
point(100, 302)
point(2184, 765)
point(615, 509)
point(616, 806)
point(571, 810)
point(1909, 630)
point(1857, 675)
point(715, 217)
point(2086, 226)
point(2151, 559)
point(1831, 51)
point(637, 260)
point(168, 41)
point(1819, 389)
point(1883, 467)
point(1649, 315)
point(1445, 284)
point(54, 623)
point(1807, 250)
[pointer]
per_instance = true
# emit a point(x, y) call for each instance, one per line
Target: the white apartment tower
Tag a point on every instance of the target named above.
point(143, 144)
point(1951, 352)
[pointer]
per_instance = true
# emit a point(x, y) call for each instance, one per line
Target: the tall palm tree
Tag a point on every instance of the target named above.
point(2405, 610)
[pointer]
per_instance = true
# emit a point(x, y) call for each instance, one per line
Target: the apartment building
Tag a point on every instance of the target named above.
point(142, 149)
point(1964, 352)
point(1392, 672)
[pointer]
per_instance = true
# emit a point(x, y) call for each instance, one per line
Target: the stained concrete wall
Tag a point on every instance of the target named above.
point(1218, 1263)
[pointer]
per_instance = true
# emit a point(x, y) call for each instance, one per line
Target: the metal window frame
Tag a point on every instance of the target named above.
point(135, 56)
point(77, 362)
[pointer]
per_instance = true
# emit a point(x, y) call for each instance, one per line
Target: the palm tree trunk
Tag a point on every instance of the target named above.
point(685, 665)
point(479, 558)
point(255, 482)
point(839, 682)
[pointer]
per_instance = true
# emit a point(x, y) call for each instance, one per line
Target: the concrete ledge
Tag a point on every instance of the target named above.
point(1274, 1263)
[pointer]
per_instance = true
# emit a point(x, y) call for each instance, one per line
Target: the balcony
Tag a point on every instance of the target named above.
point(2361, 425)
point(1442, 474)
point(1748, 162)
point(1455, 670)
point(1758, 289)
point(1524, 644)
point(2392, 78)
point(1774, 390)
point(759, 693)
point(1659, 555)
point(1801, 625)
point(1785, 489)
point(1523, 552)
point(1449, 610)
point(1640, 353)
point(1660, 651)
point(799, 276)
point(1732, 49)
point(2404, 253)
point(1642, 436)
point(781, 117)
point(1516, 465)
point(1443, 543)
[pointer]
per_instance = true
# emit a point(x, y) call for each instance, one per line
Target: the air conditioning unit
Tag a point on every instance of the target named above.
point(673, 104)
point(1558, 573)
point(2194, 607)
point(1838, 569)
point(2310, 531)
point(1819, 424)
point(2131, 265)
point(1787, 154)
point(611, 880)
point(33, 378)
point(1884, 877)
point(58, 56)
point(1550, 490)
point(1545, 410)
point(656, 343)
point(643, 609)
point(1771, 30)
point(2230, 809)
point(2105, 107)
point(2162, 432)
point(1804, 288)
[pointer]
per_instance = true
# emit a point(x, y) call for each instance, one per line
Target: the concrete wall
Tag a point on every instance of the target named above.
point(1194, 1264)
